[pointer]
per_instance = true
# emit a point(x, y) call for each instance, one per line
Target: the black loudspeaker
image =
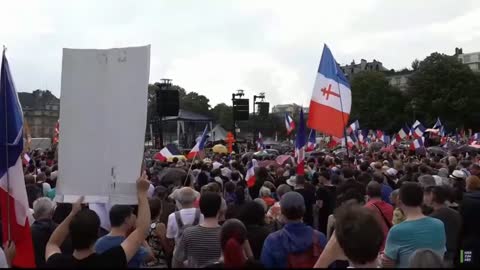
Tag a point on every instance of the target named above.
point(167, 103)
point(241, 109)
point(263, 109)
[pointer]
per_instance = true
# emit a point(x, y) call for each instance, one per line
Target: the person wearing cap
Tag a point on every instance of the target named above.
point(458, 183)
point(470, 219)
point(294, 238)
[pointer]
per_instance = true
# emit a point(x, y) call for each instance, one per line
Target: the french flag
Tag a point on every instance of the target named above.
point(350, 141)
point(476, 137)
point(331, 98)
point(13, 194)
point(362, 137)
point(418, 131)
point(167, 152)
point(438, 124)
point(289, 124)
point(353, 127)
point(300, 143)
point(311, 141)
point(199, 145)
point(403, 133)
point(250, 176)
point(260, 145)
point(334, 141)
point(385, 139)
point(417, 143)
point(379, 135)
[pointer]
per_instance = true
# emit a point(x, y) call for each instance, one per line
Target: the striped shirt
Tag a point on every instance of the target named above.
point(199, 246)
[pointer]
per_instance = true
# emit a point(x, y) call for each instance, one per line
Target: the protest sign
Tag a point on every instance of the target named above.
point(103, 111)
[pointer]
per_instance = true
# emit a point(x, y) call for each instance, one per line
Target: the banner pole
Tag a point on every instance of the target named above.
point(343, 120)
point(9, 233)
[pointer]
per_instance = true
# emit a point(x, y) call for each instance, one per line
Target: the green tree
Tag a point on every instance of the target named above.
point(443, 87)
point(195, 102)
point(376, 104)
point(223, 115)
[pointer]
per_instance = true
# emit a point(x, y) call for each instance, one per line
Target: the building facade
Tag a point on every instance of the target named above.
point(288, 108)
point(351, 70)
point(41, 110)
point(472, 60)
point(400, 79)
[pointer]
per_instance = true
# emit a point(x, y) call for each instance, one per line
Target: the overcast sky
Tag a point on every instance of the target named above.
point(217, 46)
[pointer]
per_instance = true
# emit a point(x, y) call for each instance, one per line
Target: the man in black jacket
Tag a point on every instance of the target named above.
point(43, 228)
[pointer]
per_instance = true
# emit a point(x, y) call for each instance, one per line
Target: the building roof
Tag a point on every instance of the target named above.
point(37, 100)
point(188, 116)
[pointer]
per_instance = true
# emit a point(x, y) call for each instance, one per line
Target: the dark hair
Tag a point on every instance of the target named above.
point(84, 229)
point(364, 178)
point(378, 177)
point(424, 169)
point(348, 173)
point(364, 166)
point(374, 189)
point(235, 176)
point(240, 193)
point(229, 187)
point(252, 213)
point(411, 194)
point(210, 203)
point(175, 160)
point(358, 233)
point(155, 208)
point(119, 213)
point(440, 194)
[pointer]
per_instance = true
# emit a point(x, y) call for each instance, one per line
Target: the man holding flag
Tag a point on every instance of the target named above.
point(331, 98)
point(13, 194)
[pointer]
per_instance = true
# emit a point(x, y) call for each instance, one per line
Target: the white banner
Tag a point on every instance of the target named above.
point(103, 108)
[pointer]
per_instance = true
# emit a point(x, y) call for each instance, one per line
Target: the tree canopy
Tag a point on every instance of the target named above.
point(443, 87)
point(376, 104)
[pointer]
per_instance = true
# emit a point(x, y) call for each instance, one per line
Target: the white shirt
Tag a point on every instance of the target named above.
point(3, 259)
point(187, 215)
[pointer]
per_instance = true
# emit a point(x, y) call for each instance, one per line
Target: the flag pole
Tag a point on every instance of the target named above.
point(343, 120)
point(189, 170)
point(9, 234)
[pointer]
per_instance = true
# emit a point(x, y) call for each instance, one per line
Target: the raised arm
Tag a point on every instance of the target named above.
point(61, 232)
point(135, 239)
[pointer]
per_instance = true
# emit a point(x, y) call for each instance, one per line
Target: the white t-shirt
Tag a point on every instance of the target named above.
point(3, 259)
point(187, 215)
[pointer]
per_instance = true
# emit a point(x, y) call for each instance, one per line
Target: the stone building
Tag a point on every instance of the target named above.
point(41, 110)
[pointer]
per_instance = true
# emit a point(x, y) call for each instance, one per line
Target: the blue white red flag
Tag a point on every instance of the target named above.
point(418, 131)
point(417, 143)
point(167, 152)
point(403, 133)
point(331, 98)
point(250, 176)
point(312, 141)
point(476, 137)
point(438, 124)
point(353, 127)
point(300, 143)
point(260, 145)
point(14, 208)
point(289, 123)
point(199, 146)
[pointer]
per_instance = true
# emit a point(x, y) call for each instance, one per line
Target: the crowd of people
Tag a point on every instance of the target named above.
point(372, 209)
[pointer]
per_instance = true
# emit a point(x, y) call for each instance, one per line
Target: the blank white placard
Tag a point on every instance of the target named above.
point(103, 113)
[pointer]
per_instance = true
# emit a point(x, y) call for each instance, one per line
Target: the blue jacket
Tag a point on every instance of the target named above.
point(292, 238)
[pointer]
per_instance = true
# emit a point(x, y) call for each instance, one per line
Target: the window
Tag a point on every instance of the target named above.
point(466, 58)
point(55, 107)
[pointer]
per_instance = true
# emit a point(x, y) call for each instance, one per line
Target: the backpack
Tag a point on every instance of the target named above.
point(181, 226)
point(308, 258)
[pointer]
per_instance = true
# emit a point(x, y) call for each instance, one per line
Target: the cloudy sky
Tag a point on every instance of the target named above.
point(217, 46)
